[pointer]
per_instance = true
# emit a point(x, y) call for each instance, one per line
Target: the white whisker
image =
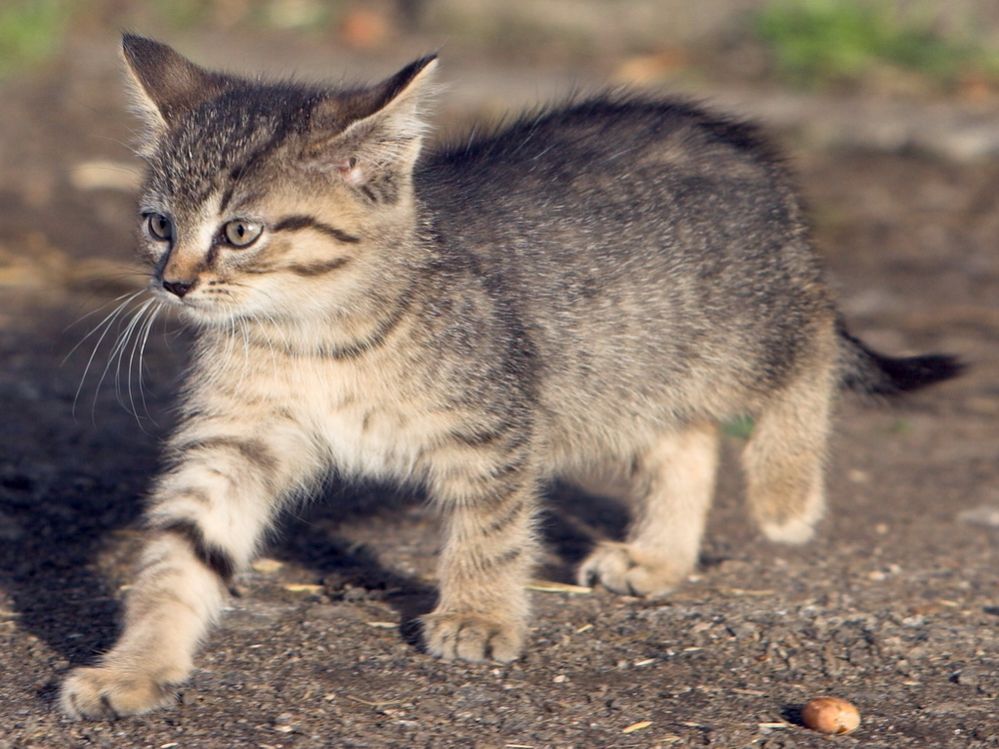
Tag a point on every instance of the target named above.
point(131, 358)
point(142, 348)
point(117, 350)
point(109, 316)
point(106, 324)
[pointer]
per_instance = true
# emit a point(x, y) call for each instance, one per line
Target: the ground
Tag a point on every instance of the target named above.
point(894, 606)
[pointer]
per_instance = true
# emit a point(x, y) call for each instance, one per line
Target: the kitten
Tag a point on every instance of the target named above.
point(597, 285)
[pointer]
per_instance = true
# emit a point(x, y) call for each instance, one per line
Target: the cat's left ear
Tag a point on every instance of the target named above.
point(165, 85)
point(371, 132)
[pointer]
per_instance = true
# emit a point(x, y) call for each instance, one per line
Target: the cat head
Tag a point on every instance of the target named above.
point(272, 200)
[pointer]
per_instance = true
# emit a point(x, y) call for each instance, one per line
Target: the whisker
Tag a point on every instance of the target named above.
point(131, 360)
point(106, 323)
point(246, 345)
point(97, 327)
point(116, 349)
point(145, 338)
point(92, 312)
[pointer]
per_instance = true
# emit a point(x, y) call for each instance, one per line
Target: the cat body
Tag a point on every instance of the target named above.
point(590, 289)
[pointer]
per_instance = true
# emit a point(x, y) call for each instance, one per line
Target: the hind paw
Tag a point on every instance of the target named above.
point(108, 694)
point(622, 569)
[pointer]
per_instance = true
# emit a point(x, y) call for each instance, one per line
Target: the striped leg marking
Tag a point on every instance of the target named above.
point(486, 562)
point(205, 522)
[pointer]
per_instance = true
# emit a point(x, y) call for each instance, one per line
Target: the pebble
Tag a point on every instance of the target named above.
point(10, 529)
point(987, 515)
point(968, 677)
point(831, 715)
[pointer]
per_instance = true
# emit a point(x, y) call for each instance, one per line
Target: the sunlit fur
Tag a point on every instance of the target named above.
point(591, 289)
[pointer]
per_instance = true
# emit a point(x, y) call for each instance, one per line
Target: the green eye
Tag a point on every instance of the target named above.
point(159, 227)
point(240, 233)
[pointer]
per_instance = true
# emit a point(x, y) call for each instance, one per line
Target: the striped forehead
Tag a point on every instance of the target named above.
point(216, 146)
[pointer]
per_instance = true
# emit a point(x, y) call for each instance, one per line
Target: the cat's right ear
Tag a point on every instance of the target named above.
point(165, 84)
point(368, 134)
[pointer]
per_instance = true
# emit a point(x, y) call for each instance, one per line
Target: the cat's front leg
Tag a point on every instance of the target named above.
point(488, 554)
point(205, 521)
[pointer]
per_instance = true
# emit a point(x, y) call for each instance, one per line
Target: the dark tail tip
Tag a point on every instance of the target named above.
point(864, 370)
point(903, 375)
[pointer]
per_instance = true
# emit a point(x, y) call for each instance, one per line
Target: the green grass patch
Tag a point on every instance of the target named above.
point(30, 31)
point(820, 42)
point(740, 427)
point(297, 15)
point(182, 14)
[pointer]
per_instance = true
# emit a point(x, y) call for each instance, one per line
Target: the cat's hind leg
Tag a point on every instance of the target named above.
point(784, 457)
point(673, 484)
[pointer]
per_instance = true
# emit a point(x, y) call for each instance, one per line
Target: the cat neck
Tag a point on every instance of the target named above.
point(343, 334)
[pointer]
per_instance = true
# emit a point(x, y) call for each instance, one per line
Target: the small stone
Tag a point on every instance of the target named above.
point(831, 715)
point(968, 677)
point(987, 515)
point(10, 529)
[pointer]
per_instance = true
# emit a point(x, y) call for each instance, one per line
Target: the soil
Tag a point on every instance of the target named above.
point(894, 606)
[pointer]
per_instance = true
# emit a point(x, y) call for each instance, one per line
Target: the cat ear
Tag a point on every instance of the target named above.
point(363, 134)
point(164, 84)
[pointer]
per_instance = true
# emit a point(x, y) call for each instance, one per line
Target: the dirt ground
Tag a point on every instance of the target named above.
point(895, 605)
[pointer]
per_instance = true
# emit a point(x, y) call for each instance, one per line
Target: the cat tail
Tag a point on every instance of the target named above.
point(864, 370)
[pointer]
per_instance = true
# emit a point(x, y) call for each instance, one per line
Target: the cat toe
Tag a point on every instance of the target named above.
point(625, 571)
point(107, 694)
point(472, 637)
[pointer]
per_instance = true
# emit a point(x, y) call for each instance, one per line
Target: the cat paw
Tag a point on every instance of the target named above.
point(627, 571)
point(472, 637)
point(108, 694)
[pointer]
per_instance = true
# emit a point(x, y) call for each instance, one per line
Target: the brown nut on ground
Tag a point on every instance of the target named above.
point(830, 715)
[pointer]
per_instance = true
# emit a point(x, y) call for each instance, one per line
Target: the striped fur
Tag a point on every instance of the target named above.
point(591, 289)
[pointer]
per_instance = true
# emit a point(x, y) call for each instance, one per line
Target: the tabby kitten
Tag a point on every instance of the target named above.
point(598, 285)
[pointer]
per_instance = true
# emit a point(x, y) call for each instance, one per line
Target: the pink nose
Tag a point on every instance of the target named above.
point(178, 287)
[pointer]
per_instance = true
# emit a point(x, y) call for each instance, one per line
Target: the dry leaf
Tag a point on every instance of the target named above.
point(637, 726)
point(549, 586)
point(267, 565)
point(303, 588)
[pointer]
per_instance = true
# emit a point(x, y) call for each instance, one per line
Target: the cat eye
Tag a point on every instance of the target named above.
point(159, 227)
point(240, 233)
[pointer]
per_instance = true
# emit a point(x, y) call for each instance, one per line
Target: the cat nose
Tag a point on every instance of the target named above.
point(178, 287)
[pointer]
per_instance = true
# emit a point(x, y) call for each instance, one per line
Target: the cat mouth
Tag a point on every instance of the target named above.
point(193, 306)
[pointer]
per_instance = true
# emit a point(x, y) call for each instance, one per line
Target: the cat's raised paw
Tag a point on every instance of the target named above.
point(108, 694)
point(472, 637)
point(630, 572)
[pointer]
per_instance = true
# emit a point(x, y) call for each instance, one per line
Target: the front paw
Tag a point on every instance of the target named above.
point(472, 637)
point(622, 569)
point(109, 693)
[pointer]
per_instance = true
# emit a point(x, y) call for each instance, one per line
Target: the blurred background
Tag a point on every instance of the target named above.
point(867, 88)
point(892, 76)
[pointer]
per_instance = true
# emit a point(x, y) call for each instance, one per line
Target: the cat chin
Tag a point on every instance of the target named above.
point(207, 316)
